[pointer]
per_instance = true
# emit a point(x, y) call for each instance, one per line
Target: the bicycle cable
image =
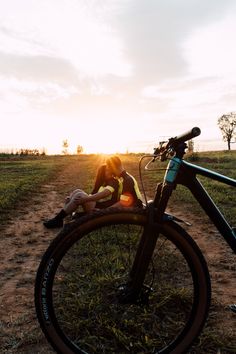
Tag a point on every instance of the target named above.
point(141, 177)
point(154, 157)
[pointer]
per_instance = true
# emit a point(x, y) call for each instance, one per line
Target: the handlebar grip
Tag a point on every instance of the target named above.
point(186, 136)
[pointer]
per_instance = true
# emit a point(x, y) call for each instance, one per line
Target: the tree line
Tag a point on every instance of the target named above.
point(24, 152)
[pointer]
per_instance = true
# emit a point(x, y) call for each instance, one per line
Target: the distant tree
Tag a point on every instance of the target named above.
point(65, 146)
point(43, 152)
point(79, 149)
point(227, 125)
point(30, 152)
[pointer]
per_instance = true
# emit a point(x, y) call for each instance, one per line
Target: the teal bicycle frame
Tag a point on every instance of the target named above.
point(178, 172)
point(182, 172)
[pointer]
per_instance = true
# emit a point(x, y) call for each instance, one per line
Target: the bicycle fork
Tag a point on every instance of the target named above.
point(135, 291)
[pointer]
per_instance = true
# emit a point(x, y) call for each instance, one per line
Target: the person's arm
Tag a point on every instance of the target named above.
point(126, 200)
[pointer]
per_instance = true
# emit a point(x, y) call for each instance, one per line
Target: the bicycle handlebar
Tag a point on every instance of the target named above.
point(164, 147)
point(185, 136)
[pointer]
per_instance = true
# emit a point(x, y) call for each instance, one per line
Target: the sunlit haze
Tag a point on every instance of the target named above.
point(114, 75)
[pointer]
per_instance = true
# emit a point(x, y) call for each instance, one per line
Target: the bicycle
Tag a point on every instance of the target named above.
point(133, 280)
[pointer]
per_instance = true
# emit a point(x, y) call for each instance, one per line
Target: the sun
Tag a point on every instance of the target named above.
point(100, 136)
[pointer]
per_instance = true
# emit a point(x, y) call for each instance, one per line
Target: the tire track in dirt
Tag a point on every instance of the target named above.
point(22, 246)
point(23, 242)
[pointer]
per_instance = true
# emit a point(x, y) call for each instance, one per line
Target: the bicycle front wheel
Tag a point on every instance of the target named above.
point(84, 270)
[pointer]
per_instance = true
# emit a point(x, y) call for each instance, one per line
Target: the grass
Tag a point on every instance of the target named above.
point(20, 178)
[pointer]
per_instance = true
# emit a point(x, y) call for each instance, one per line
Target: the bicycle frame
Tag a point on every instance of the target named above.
point(178, 172)
point(182, 172)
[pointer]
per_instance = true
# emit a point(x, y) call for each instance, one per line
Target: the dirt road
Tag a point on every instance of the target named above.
point(24, 240)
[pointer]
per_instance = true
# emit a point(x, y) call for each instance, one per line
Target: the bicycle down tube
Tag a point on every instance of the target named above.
point(187, 177)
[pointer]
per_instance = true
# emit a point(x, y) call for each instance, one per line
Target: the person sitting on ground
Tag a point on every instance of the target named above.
point(129, 194)
point(104, 195)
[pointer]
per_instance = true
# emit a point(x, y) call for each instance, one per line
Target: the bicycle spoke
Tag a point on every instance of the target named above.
point(96, 267)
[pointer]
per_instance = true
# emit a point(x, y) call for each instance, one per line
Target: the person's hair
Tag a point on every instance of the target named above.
point(114, 162)
point(100, 178)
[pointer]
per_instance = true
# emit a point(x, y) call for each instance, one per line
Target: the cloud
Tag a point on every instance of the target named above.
point(70, 30)
point(134, 39)
point(210, 50)
point(39, 68)
point(74, 65)
point(153, 32)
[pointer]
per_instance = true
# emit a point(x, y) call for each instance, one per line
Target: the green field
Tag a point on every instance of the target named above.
point(21, 177)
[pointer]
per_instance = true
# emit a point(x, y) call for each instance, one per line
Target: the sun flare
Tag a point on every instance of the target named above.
point(103, 145)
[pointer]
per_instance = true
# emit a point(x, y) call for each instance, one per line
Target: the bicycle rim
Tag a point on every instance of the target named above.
point(81, 277)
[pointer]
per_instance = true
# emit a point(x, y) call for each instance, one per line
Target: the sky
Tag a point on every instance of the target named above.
point(115, 75)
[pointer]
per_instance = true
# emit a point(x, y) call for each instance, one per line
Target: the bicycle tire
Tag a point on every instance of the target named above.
point(76, 291)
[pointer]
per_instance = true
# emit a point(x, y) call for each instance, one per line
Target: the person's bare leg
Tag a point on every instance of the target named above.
point(74, 202)
point(71, 204)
